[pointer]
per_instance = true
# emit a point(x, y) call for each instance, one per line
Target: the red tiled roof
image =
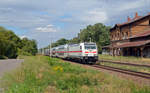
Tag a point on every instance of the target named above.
point(132, 20)
point(142, 34)
point(133, 44)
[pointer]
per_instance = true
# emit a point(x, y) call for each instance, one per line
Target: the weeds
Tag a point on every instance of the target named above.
point(129, 59)
point(42, 74)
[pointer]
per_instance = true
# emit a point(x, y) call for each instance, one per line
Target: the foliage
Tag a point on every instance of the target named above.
point(29, 47)
point(98, 33)
point(8, 43)
point(11, 45)
point(61, 41)
point(41, 74)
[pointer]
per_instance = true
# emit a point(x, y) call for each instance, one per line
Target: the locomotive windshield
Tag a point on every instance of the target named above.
point(90, 47)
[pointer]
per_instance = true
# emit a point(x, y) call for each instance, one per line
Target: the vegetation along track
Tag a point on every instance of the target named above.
point(123, 63)
point(124, 71)
point(130, 72)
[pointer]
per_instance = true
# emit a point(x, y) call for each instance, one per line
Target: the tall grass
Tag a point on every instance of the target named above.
point(40, 74)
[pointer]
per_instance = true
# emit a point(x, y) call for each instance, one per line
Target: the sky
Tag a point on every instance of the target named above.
point(49, 20)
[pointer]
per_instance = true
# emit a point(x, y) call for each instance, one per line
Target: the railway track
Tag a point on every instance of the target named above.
point(125, 71)
point(130, 64)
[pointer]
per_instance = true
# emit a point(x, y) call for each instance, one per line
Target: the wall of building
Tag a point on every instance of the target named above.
point(120, 35)
point(125, 32)
point(139, 26)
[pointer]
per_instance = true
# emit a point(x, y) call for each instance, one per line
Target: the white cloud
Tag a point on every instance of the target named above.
point(48, 28)
point(24, 36)
point(95, 16)
point(132, 5)
point(70, 15)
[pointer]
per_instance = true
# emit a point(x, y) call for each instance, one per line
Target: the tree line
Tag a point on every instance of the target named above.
point(11, 45)
point(97, 33)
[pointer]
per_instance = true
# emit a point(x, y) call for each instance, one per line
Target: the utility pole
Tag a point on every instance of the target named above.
point(50, 48)
point(90, 39)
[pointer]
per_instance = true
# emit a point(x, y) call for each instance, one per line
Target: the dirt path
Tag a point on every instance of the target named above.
point(8, 65)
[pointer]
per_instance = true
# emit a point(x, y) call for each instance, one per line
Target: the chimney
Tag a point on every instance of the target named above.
point(128, 19)
point(136, 15)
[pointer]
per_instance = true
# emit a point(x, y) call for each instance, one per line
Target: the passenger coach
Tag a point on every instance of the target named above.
point(83, 52)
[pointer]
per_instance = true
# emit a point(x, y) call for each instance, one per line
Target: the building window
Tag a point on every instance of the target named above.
point(126, 36)
point(118, 36)
point(112, 37)
point(123, 35)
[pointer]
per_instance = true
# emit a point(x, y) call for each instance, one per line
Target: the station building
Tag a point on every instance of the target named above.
point(131, 38)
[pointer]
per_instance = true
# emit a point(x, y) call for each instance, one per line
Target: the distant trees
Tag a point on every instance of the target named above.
point(98, 33)
point(11, 45)
point(61, 41)
point(28, 47)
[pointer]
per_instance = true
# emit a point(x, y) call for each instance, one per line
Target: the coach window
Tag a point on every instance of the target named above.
point(80, 47)
point(112, 37)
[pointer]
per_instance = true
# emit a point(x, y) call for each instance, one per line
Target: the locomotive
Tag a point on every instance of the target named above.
point(82, 52)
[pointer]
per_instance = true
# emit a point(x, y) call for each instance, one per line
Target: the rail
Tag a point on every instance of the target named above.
point(124, 63)
point(125, 71)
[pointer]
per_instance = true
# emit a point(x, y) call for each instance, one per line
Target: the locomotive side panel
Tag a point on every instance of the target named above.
point(74, 51)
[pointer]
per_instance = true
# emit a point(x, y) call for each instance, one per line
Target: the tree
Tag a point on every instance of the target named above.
point(11, 45)
point(74, 40)
point(98, 33)
point(8, 43)
point(29, 47)
point(61, 41)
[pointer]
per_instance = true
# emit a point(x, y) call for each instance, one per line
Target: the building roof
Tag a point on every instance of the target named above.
point(133, 44)
point(108, 46)
point(142, 34)
point(135, 19)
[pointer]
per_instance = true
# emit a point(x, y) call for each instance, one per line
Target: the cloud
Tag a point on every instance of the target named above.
point(48, 28)
point(95, 16)
point(133, 4)
point(24, 36)
point(34, 16)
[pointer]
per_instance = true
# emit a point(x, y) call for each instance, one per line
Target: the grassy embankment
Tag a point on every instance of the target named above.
point(40, 74)
point(127, 59)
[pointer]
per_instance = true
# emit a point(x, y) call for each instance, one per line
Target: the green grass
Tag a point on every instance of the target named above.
point(40, 74)
point(129, 59)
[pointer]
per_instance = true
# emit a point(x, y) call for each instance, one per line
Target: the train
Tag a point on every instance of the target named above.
point(86, 52)
point(47, 52)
